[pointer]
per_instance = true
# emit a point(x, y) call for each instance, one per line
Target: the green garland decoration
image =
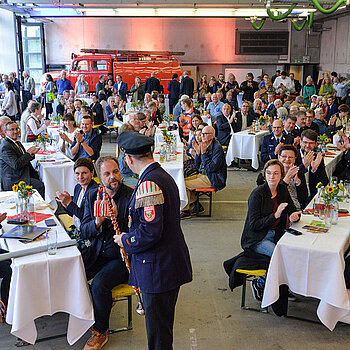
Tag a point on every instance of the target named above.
point(311, 20)
point(283, 15)
point(296, 27)
point(331, 10)
point(258, 27)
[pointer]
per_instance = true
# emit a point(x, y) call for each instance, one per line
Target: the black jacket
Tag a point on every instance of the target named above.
point(15, 165)
point(152, 84)
point(314, 178)
point(99, 117)
point(187, 86)
point(301, 189)
point(260, 215)
point(224, 130)
point(214, 165)
point(102, 240)
point(248, 91)
point(237, 125)
point(174, 89)
point(72, 208)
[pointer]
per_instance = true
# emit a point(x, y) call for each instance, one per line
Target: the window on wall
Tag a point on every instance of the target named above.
point(262, 43)
point(33, 51)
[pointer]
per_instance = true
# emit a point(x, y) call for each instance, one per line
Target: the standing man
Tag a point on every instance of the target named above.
point(160, 261)
point(220, 85)
point(295, 85)
point(248, 87)
point(121, 88)
point(186, 85)
point(152, 84)
point(63, 83)
point(174, 92)
point(28, 89)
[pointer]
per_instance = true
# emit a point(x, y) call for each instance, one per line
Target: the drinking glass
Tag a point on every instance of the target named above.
point(51, 240)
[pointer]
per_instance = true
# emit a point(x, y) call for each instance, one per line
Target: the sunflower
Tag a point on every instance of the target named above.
point(21, 183)
point(29, 187)
point(319, 185)
point(330, 189)
point(168, 139)
point(14, 188)
point(164, 138)
point(46, 135)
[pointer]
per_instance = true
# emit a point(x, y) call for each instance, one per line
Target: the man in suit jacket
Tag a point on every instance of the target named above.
point(121, 88)
point(311, 164)
point(273, 142)
point(15, 161)
point(105, 265)
point(271, 110)
point(186, 85)
point(243, 118)
point(332, 108)
point(152, 84)
point(160, 258)
point(174, 92)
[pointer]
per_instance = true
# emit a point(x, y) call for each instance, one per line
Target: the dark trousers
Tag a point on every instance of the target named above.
point(160, 312)
point(5, 274)
point(106, 274)
point(49, 109)
point(172, 104)
point(39, 186)
point(26, 96)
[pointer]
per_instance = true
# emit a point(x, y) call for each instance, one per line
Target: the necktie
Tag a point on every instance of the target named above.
point(19, 145)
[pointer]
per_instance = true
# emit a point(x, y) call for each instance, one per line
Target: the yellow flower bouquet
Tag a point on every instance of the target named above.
point(22, 190)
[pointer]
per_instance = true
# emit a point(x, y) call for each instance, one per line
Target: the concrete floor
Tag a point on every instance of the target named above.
point(208, 314)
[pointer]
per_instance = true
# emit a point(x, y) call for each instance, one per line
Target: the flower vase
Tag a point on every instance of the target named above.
point(21, 207)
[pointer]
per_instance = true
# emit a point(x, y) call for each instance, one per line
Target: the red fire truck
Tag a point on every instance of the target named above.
point(129, 64)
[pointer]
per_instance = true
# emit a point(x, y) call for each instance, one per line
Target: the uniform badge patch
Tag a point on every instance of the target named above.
point(149, 213)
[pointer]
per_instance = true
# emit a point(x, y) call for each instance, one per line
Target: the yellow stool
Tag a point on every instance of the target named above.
point(248, 276)
point(120, 293)
point(66, 220)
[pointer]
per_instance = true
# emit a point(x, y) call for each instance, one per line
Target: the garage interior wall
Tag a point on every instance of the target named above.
point(8, 56)
point(207, 42)
point(335, 46)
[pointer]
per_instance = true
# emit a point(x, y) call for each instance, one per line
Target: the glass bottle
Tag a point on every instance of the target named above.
point(318, 203)
point(162, 153)
point(31, 210)
point(334, 212)
point(167, 153)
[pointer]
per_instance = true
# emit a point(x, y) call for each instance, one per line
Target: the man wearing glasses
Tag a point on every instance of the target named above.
point(273, 142)
point(311, 163)
point(15, 161)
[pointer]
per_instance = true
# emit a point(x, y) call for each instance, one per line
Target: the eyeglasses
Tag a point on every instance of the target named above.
point(207, 133)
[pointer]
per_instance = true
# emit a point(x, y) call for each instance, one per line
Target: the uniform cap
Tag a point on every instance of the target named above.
point(133, 143)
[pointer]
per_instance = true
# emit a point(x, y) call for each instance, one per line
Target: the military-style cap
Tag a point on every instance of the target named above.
point(133, 143)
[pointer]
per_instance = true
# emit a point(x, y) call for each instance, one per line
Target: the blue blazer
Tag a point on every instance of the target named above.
point(214, 165)
point(331, 110)
point(269, 144)
point(174, 89)
point(160, 258)
point(123, 90)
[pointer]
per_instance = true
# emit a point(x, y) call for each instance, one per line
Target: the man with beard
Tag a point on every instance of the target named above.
point(105, 264)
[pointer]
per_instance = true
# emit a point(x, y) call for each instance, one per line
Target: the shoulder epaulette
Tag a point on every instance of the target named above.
point(147, 194)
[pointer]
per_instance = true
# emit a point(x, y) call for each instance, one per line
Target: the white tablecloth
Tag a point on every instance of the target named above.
point(313, 265)
point(56, 172)
point(45, 284)
point(332, 161)
point(175, 169)
point(245, 146)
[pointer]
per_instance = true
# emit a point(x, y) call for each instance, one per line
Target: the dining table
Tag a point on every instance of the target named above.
point(55, 170)
point(245, 145)
point(312, 265)
point(44, 284)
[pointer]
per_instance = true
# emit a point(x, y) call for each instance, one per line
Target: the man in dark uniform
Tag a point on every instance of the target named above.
point(160, 258)
point(102, 260)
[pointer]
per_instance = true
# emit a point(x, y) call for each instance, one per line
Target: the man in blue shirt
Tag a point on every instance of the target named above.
point(87, 144)
point(214, 108)
point(63, 83)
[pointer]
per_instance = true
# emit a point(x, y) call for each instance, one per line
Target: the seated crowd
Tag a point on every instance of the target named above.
point(293, 166)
